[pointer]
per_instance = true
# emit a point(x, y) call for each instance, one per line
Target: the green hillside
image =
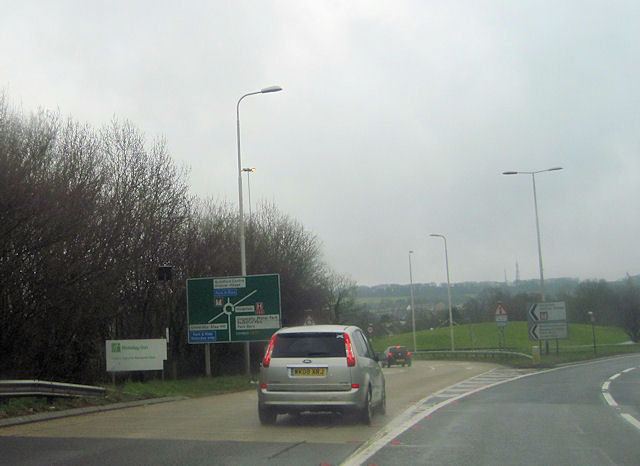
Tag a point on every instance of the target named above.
point(579, 345)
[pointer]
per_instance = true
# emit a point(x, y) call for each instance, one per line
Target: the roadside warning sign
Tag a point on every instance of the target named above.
point(501, 315)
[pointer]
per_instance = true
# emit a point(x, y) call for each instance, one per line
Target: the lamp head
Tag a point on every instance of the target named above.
point(270, 89)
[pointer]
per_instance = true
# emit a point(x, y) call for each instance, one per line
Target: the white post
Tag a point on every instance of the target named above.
point(413, 309)
point(446, 258)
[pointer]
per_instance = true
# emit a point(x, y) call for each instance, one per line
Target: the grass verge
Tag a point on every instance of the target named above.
point(486, 336)
point(129, 391)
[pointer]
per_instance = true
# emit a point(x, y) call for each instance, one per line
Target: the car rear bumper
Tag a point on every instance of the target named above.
point(308, 400)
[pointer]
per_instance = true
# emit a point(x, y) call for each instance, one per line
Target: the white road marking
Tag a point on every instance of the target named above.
point(424, 408)
point(631, 420)
point(609, 399)
point(612, 402)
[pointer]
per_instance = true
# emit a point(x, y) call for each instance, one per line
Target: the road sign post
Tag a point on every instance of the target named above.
point(233, 309)
point(502, 318)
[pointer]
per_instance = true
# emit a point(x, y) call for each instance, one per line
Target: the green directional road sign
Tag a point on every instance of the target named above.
point(231, 309)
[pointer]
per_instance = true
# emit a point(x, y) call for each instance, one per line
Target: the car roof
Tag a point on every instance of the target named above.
point(317, 329)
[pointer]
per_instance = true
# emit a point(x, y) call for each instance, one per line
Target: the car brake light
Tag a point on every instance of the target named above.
point(267, 357)
point(355, 385)
point(398, 347)
point(390, 354)
point(408, 353)
point(351, 359)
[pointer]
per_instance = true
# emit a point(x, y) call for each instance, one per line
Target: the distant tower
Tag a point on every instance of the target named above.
point(517, 273)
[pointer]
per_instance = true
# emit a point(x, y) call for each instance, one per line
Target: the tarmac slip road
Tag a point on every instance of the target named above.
point(225, 429)
point(584, 414)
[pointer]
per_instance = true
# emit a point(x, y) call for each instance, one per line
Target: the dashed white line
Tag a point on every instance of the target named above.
point(612, 402)
point(631, 420)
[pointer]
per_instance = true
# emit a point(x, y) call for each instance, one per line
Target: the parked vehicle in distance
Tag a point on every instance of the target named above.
point(398, 355)
point(320, 368)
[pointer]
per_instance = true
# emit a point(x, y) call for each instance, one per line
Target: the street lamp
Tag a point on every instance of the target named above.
point(535, 205)
point(413, 311)
point(446, 258)
point(248, 171)
point(243, 258)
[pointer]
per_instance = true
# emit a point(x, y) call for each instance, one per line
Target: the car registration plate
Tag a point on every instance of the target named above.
point(308, 371)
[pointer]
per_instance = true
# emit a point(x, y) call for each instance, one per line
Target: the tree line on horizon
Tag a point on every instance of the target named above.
point(87, 218)
point(614, 303)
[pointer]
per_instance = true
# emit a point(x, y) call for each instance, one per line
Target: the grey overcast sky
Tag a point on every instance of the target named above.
point(396, 120)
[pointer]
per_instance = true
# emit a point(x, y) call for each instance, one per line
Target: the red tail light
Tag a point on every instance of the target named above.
point(351, 358)
point(408, 353)
point(267, 357)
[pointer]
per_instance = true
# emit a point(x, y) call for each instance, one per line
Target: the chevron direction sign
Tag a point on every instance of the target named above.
point(548, 321)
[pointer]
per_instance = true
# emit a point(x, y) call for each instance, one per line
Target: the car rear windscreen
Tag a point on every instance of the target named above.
point(308, 345)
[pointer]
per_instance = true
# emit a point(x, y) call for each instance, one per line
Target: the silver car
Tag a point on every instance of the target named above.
point(320, 368)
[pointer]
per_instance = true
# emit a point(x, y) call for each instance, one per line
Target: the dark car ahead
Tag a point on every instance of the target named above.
point(397, 355)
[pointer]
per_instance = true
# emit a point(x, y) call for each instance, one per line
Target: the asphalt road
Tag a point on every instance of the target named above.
point(224, 429)
point(586, 414)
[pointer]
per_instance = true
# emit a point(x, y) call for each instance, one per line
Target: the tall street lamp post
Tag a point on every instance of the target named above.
point(413, 311)
point(446, 259)
point(535, 205)
point(249, 171)
point(243, 258)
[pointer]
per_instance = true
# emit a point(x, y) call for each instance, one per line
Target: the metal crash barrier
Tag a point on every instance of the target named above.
point(16, 388)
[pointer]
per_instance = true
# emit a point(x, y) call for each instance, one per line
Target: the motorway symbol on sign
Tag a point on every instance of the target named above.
point(228, 309)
